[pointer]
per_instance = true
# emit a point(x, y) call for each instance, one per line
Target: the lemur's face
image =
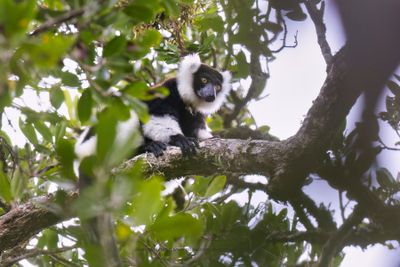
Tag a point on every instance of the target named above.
point(207, 83)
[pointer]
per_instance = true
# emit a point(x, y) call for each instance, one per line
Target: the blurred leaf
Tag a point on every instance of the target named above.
point(170, 7)
point(385, 178)
point(5, 187)
point(147, 202)
point(114, 46)
point(122, 231)
point(66, 155)
point(139, 108)
point(394, 87)
point(15, 16)
point(106, 132)
point(59, 131)
point(56, 97)
point(210, 21)
point(139, 12)
point(44, 131)
point(46, 50)
point(150, 38)
point(138, 90)
point(243, 67)
point(18, 184)
point(179, 225)
point(69, 79)
point(217, 184)
point(85, 104)
point(296, 15)
point(28, 131)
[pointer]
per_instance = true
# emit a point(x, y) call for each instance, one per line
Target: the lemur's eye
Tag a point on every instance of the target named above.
point(204, 80)
point(218, 87)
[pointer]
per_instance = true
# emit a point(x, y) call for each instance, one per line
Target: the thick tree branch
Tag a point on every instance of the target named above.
point(22, 222)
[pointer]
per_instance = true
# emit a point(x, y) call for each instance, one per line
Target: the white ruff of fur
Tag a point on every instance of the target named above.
point(188, 66)
point(161, 128)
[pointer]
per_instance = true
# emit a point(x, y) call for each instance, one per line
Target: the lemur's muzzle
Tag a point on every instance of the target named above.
point(207, 92)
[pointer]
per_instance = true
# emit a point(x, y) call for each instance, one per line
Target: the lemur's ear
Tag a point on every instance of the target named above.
point(190, 63)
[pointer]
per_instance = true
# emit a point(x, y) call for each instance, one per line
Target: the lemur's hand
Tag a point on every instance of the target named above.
point(155, 147)
point(188, 145)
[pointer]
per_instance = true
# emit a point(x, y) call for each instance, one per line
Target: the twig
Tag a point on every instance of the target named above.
point(384, 146)
point(317, 17)
point(336, 241)
point(322, 215)
point(33, 253)
point(285, 32)
point(57, 21)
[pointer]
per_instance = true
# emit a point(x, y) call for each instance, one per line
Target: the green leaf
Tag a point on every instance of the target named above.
point(296, 15)
point(59, 130)
point(106, 132)
point(180, 225)
point(147, 202)
point(243, 67)
point(394, 87)
point(44, 131)
point(46, 50)
point(5, 188)
point(85, 104)
point(66, 155)
point(115, 46)
point(385, 178)
point(69, 79)
point(139, 13)
point(56, 97)
point(137, 90)
point(216, 185)
point(150, 38)
point(28, 131)
point(210, 21)
point(139, 108)
point(18, 184)
point(171, 8)
point(15, 16)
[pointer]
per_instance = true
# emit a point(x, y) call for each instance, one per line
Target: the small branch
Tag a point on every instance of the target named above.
point(317, 17)
point(384, 146)
point(32, 253)
point(336, 241)
point(301, 214)
point(322, 215)
point(239, 183)
point(57, 21)
point(285, 32)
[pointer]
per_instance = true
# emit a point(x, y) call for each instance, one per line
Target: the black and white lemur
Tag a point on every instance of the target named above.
point(178, 119)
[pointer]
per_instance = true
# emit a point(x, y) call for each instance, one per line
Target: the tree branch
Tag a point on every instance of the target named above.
point(24, 254)
point(317, 16)
point(57, 21)
point(336, 240)
point(23, 221)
